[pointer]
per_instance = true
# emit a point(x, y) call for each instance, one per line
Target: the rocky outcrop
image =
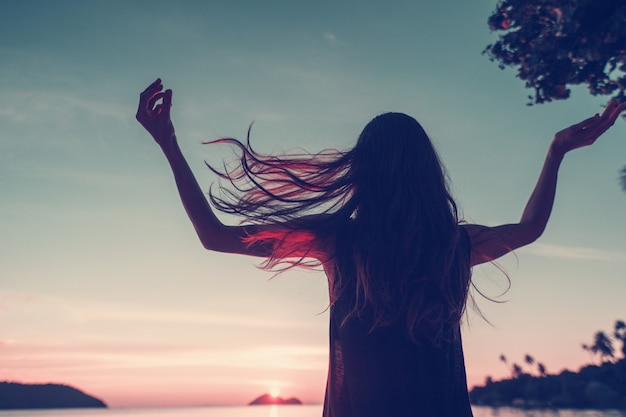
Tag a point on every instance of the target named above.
point(267, 399)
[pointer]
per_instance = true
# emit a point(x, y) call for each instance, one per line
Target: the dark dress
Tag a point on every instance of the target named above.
point(383, 373)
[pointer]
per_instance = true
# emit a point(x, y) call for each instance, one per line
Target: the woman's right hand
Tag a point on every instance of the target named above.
point(155, 116)
point(588, 131)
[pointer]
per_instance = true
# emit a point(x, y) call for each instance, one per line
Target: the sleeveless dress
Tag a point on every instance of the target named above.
point(383, 373)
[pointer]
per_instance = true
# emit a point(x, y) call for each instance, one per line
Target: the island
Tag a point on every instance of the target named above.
point(16, 396)
point(267, 399)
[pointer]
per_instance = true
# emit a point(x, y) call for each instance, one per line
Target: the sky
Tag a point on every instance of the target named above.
point(103, 283)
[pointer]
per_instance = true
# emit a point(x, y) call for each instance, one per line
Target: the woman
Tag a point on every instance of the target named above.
point(381, 222)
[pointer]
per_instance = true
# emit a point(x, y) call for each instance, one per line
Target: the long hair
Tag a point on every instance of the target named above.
point(389, 196)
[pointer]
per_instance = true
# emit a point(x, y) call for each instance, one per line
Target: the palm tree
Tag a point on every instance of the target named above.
point(622, 178)
point(503, 359)
point(603, 346)
point(620, 326)
point(517, 371)
point(529, 360)
point(542, 369)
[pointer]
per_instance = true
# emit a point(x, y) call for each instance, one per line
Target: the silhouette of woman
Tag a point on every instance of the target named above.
point(381, 222)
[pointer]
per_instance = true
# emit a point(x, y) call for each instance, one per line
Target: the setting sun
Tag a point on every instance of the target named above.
point(274, 392)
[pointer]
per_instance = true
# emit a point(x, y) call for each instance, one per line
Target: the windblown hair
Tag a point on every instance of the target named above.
point(388, 198)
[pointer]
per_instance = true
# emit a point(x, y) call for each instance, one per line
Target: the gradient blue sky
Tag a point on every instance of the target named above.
point(103, 284)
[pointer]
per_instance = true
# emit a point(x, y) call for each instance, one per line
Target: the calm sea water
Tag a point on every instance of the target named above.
point(278, 411)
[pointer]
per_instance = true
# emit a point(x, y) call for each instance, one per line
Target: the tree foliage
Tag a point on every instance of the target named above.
point(620, 334)
point(554, 44)
point(603, 346)
point(603, 343)
point(600, 386)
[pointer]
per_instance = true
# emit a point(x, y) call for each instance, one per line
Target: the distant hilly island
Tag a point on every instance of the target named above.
point(267, 399)
point(16, 396)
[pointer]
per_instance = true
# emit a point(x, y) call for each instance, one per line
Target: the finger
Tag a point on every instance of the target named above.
point(615, 104)
point(167, 102)
point(155, 86)
point(145, 103)
point(613, 111)
point(620, 107)
point(608, 120)
point(608, 110)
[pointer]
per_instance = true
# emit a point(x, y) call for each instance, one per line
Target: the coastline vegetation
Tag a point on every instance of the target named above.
point(599, 385)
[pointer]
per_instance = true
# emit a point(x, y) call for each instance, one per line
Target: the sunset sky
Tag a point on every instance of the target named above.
point(103, 283)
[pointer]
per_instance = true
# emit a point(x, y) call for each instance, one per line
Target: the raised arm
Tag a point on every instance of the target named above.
point(489, 243)
point(154, 115)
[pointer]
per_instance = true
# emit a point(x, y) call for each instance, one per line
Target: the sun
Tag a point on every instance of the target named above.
point(274, 392)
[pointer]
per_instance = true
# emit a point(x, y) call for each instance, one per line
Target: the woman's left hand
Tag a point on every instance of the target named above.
point(588, 131)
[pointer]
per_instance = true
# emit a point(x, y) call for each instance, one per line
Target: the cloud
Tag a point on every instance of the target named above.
point(191, 318)
point(330, 38)
point(572, 252)
point(58, 357)
point(15, 115)
point(275, 357)
point(85, 311)
point(61, 107)
point(10, 300)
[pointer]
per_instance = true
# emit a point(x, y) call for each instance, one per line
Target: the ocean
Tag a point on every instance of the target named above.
point(278, 411)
